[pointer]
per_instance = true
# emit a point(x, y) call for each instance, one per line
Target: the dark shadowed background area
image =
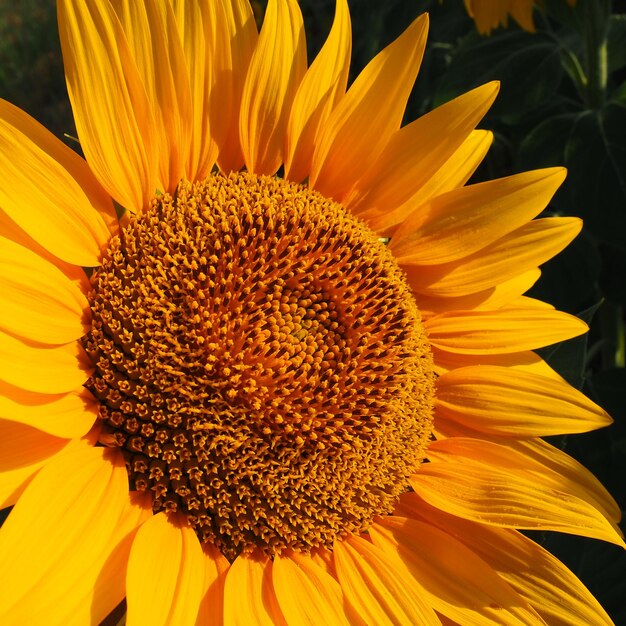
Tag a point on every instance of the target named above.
point(562, 102)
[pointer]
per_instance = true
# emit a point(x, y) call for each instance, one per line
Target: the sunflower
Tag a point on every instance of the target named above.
point(265, 358)
point(491, 14)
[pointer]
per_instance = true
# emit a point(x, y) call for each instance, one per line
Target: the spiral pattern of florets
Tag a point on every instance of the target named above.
point(261, 362)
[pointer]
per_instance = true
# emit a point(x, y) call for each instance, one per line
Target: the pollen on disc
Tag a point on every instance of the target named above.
point(261, 362)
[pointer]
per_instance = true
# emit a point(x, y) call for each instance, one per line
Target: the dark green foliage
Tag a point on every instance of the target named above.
point(31, 67)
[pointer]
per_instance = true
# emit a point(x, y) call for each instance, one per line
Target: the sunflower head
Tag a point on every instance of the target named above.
point(261, 361)
point(297, 384)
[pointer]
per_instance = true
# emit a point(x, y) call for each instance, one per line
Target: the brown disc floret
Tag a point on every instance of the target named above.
point(261, 362)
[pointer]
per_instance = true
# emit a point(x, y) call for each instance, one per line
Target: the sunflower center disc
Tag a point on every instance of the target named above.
point(261, 362)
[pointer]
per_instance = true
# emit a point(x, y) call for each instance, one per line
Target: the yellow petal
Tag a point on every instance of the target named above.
point(525, 361)
point(54, 547)
point(306, 594)
point(276, 69)
point(541, 579)
point(377, 591)
point(249, 596)
point(504, 330)
point(68, 415)
point(416, 152)
point(49, 192)
point(76, 166)
point(457, 582)
point(444, 428)
point(10, 230)
point(111, 584)
point(321, 88)
point(489, 15)
point(216, 566)
point(499, 401)
point(23, 451)
point(165, 576)
point(325, 559)
point(22, 444)
point(205, 38)
point(154, 42)
point(546, 466)
point(522, 13)
point(500, 295)
point(515, 253)
point(465, 220)
point(570, 471)
point(37, 301)
point(364, 120)
point(242, 41)
point(454, 173)
point(44, 369)
point(115, 125)
point(491, 496)
point(526, 302)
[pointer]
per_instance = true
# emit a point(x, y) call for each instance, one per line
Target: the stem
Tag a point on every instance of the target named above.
point(596, 36)
point(574, 69)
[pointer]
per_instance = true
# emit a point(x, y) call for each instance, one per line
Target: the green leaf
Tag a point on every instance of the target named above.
point(545, 145)
point(592, 144)
point(616, 47)
point(596, 158)
point(561, 12)
point(528, 67)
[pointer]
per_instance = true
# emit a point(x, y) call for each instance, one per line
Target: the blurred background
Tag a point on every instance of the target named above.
point(562, 102)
